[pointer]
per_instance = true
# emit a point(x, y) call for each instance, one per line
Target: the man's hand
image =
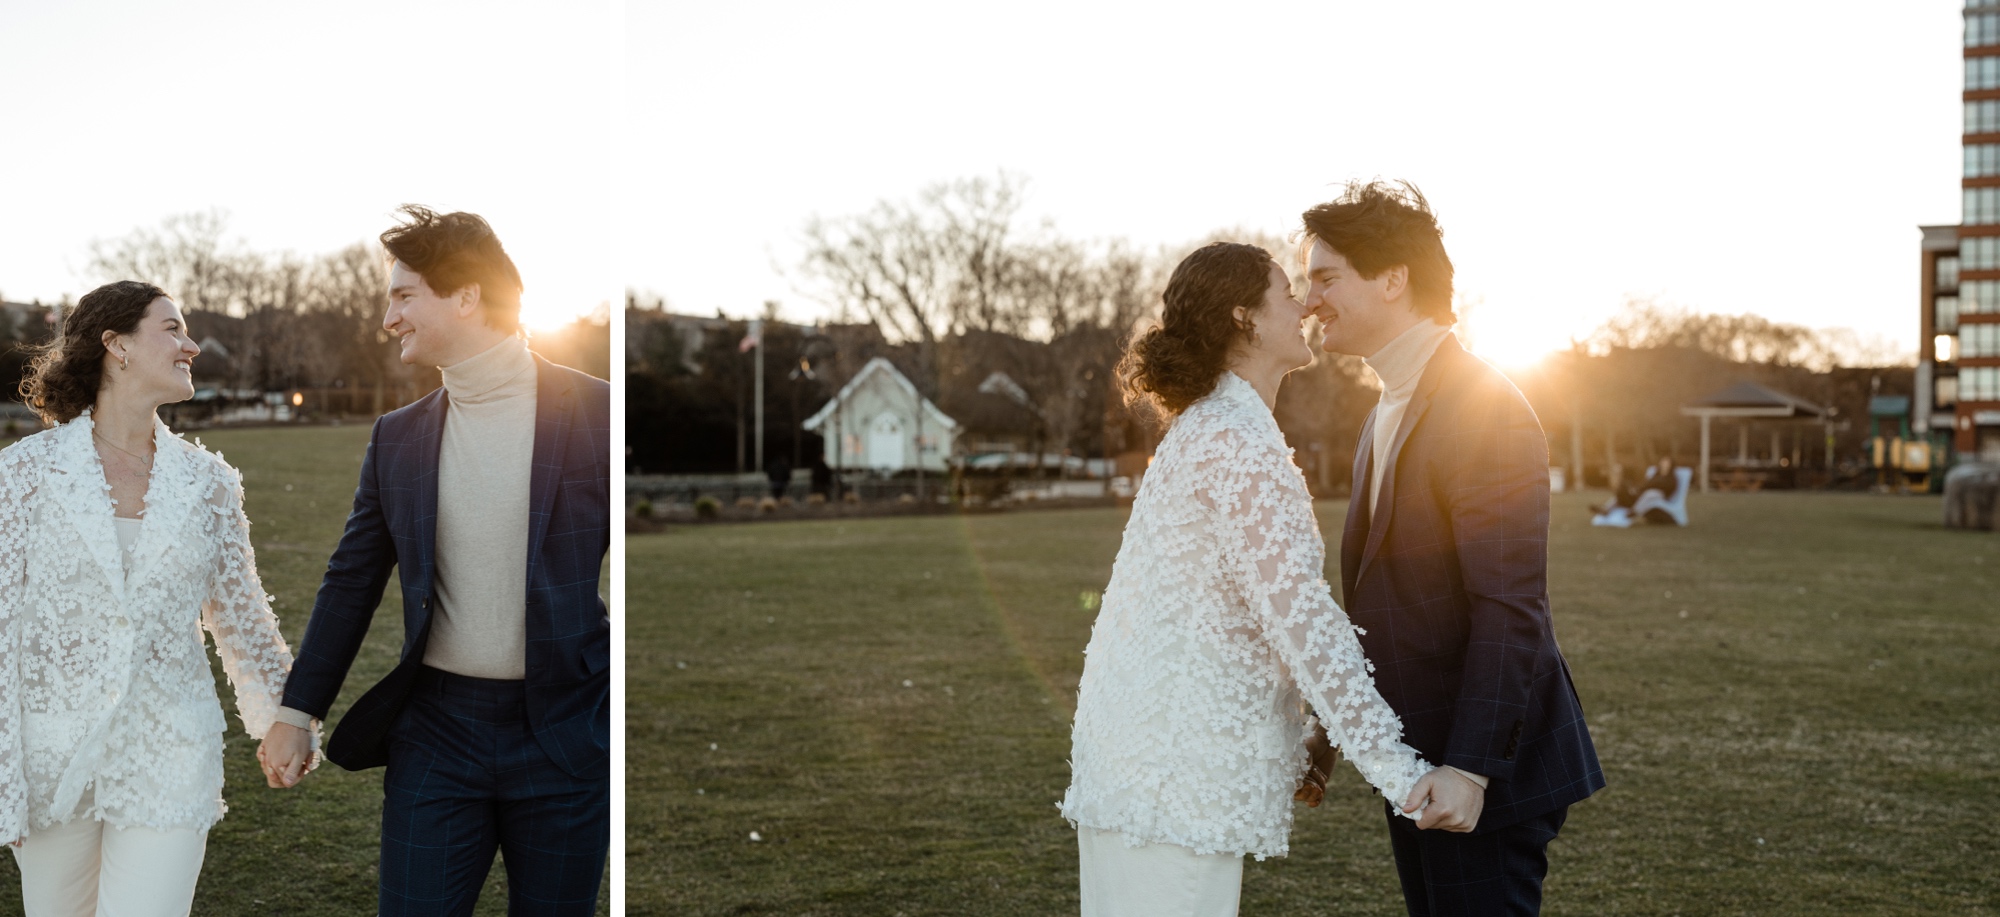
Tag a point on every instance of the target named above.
point(1454, 801)
point(285, 753)
point(1321, 757)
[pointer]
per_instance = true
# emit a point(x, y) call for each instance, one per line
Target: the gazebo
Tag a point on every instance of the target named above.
point(1747, 401)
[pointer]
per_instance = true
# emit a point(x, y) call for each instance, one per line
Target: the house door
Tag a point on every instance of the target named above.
point(885, 442)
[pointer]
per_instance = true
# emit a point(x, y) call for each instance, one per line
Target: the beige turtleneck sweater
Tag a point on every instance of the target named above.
point(1400, 365)
point(480, 582)
point(479, 591)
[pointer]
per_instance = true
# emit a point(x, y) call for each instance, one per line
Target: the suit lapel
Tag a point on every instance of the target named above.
point(1420, 401)
point(89, 503)
point(428, 445)
point(554, 415)
point(1355, 532)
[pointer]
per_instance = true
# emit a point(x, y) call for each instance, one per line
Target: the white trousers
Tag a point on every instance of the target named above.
point(86, 868)
point(1155, 880)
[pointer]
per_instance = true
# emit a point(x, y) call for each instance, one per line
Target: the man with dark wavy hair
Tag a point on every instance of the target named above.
point(489, 497)
point(1444, 564)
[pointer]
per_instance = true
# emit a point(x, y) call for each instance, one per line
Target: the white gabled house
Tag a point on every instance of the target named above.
point(879, 422)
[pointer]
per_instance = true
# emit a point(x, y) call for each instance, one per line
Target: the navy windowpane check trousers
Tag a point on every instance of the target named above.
point(466, 778)
point(1497, 873)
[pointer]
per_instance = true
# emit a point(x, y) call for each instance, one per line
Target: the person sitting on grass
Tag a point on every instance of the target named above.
point(1618, 511)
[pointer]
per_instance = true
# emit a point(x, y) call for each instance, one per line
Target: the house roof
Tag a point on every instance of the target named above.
point(1889, 405)
point(877, 365)
point(1748, 399)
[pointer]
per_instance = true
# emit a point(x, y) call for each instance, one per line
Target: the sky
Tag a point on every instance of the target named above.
point(308, 123)
point(1772, 158)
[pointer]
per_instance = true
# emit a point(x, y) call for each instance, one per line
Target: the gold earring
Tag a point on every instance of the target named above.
point(121, 363)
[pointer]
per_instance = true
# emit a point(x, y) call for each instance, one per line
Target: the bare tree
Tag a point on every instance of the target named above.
point(345, 297)
point(1082, 301)
point(1644, 323)
point(185, 255)
point(922, 270)
point(977, 220)
point(278, 349)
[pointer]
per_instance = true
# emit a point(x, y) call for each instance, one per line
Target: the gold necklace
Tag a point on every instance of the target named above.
point(146, 459)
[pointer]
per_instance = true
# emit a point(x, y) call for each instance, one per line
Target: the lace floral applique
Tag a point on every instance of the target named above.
point(108, 707)
point(1217, 631)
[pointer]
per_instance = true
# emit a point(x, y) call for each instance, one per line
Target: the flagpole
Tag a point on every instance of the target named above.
point(757, 331)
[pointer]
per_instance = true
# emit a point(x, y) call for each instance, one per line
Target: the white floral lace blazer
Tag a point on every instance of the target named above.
point(108, 707)
point(1217, 625)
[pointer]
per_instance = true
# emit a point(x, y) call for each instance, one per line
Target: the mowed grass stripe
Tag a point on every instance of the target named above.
point(1850, 726)
point(796, 664)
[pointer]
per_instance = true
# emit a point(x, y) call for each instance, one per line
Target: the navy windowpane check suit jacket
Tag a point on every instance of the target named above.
point(394, 526)
point(1449, 577)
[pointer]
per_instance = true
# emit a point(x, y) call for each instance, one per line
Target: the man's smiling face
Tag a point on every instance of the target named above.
point(1358, 315)
point(424, 322)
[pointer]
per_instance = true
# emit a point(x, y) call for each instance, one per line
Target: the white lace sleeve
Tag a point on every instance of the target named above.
point(238, 615)
point(1265, 513)
point(14, 487)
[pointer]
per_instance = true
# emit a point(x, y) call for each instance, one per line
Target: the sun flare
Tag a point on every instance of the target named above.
point(1517, 346)
point(556, 313)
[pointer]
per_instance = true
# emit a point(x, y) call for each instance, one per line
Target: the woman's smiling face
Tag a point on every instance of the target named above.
point(1278, 324)
point(156, 359)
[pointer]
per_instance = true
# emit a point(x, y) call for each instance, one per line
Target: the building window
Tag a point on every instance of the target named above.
point(1943, 347)
point(1982, 117)
point(1978, 341)
point(1979, 253)
point(1945, 311)
point(1978, 296)
point(1979, 383)
point(1982, 29)
point(1947, 391)
point(1982, 159)
point(1982, 205)
point(1947, 274)
point(1982, 72)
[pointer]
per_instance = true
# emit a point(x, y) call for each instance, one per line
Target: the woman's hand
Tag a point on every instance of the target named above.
point(1448, 800)
point(1321, 756)
point(285, 754)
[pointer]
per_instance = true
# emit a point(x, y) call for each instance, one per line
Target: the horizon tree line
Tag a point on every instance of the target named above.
point(935, 277)
point(283, 321)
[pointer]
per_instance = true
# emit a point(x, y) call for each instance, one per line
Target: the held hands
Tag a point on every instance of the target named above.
point(1321, 757)
point(1450, 801)
point(286, 754)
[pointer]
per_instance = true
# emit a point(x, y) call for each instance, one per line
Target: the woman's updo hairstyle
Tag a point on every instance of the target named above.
point(66, 373)
point(1178, 361)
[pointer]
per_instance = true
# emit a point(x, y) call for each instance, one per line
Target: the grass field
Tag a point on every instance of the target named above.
point(1795, 702)
point(310, 850)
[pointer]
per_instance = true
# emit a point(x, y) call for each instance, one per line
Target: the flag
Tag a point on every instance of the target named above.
point(754, 339)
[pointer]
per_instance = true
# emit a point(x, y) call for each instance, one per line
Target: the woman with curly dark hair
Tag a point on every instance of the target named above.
point(1217, 630)
point(120, 544)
